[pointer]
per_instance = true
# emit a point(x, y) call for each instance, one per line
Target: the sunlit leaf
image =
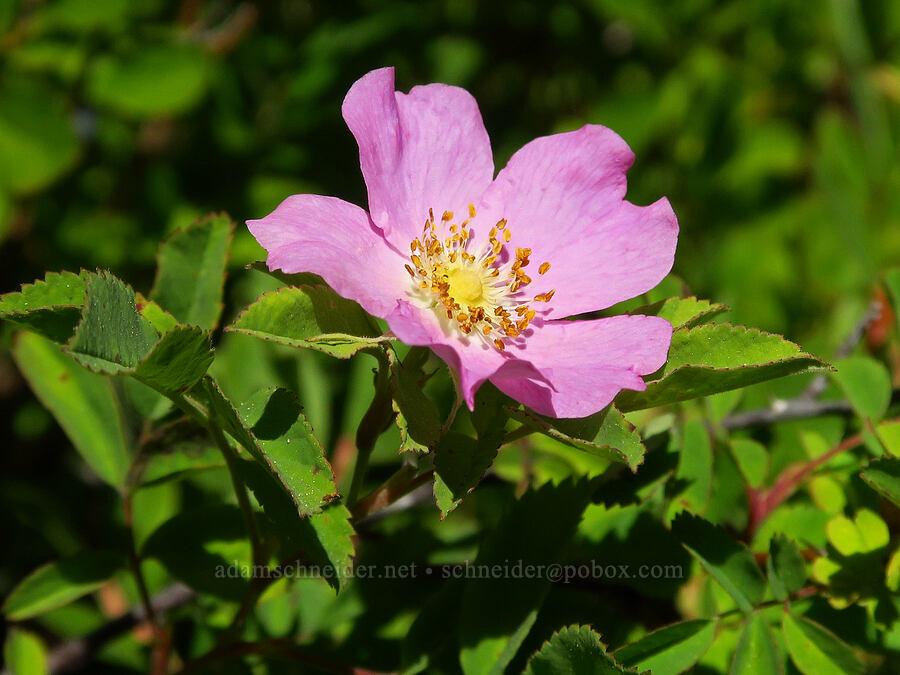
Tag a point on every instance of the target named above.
point(816, 650)
point(574, 650)
point(669, 650)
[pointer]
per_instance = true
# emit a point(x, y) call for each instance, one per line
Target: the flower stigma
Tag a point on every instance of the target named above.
point(481, 293)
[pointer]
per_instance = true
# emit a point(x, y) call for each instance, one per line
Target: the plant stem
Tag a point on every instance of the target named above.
point(398, 485)
point(135, 563)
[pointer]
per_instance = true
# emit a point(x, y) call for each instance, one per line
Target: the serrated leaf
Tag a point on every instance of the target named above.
point(867, 384)
point(683, 312)
point(606, 434)
point(497, 613)
point(422, 420)
point(817, 651)
point(728, 562)
point(785, 566)
point(112, 337)
point(50, 307)
point(757, 652)
point(59, 583)
point(24, 653)
point(718, 357)
point(326, 538)
point(574, 650)
point(201, 547)
point(82, 402)
point(461, 461)
point(312, 317)
point(177, 361)
point(669, 650)
point(883, 476)
point(273, 429)
point(191, 272)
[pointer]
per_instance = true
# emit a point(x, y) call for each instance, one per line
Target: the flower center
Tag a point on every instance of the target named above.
point(465, 285)
point(479, 293)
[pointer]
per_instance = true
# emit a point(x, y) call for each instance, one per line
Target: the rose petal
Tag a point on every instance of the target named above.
point(337, 241)
point(473, 359)
point(562, 196)
point(424, 150)
point(586, 363)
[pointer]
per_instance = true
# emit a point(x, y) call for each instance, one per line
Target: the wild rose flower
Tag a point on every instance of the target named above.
point(486, 271)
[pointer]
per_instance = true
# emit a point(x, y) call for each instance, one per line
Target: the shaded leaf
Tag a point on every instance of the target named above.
point(82, 402)
point(817, 651)
point(757, 653)
point(422, 419)
point(191, 272)
point(313, 317)
point(695, 467)
point(179, 459)
point(883, 476)
point(785, 566)
point(718, 357)
point(606, 434)
point(574, 650)
point(59, 583)
point(177, 361)
point(497, 613)
point(753, 460)
point(725, 559)
point(683, 312)
point(671, 649)
point(51, 307)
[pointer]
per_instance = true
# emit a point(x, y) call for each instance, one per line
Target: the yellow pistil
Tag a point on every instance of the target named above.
point(483, 296)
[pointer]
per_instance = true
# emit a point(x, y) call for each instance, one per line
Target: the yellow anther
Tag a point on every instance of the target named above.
point(544, 268)
point(471, 210)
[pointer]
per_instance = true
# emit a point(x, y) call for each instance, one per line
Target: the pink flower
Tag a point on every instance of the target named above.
point(485, 271)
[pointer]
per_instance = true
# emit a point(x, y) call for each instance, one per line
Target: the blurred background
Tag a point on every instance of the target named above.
point(771, 125)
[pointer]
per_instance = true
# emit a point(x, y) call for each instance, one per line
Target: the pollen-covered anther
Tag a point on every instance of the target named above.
point(478, 292)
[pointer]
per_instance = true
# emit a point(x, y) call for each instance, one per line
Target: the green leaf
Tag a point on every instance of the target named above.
point(24, 653)
point(423, 421)
point(51, 307)
point(201, 546)
point(725, 559)
point(606, 434)
point(719, 357)
point(883, 476)
point(867, 532)
point(669, 650)
point(37, 139)
point(753, 460)
point(786, 568)
point(59, 583)
point(889, 436)
point(817, 651)
point(191, 272)
point(312, 317)
point(695, 467)
point(757, 653)
point(82, 402)
point(159, 318)
point(497, 613)
point(177, 361)
point(112, 337)
point(177, 460)
point(574, 650)
point(130, 84)
point(461, 461)
point(867, 384)
point(683, 312)
point(272, 428)
point(326, 538)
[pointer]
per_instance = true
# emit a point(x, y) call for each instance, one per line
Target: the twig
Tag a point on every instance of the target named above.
point(74, 655)
point(785, 410)
point(398, 485)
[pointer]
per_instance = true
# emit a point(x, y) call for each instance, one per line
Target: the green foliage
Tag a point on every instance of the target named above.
point(574, 650)
point(757, 651)
point(24, 653)
point(817, 651)
point(884, 476)
point(50, 307)
point(785, 566)
point(59, 583)
point(669, 650)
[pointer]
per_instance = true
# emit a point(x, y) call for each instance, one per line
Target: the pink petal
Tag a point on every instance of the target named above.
point(586, 363)
point(562, 196)
point(424, 150)
point(472, 359)
point(337, 241)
